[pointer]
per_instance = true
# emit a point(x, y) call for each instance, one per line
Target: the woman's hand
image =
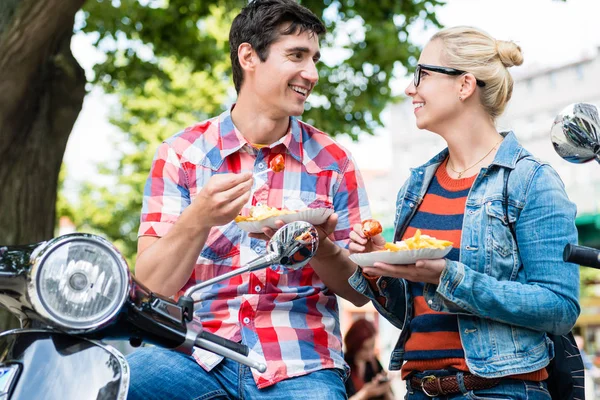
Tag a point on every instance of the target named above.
point(360, 243)
point(427, 271)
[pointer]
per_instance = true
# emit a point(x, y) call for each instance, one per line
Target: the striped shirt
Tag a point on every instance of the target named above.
point(434, 341)
point(290, 320)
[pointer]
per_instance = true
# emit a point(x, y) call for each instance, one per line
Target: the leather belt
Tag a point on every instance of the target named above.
point(438, 386)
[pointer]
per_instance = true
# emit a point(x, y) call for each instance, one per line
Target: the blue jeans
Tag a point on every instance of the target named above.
point(507, 389)
point(161, 374)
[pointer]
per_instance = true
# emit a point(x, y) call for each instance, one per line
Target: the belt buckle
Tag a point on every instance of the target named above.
point(427, 379)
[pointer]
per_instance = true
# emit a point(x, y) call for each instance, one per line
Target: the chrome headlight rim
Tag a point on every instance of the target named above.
point(40, 306)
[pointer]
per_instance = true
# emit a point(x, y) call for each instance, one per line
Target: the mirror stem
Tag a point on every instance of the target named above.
point(255, 264)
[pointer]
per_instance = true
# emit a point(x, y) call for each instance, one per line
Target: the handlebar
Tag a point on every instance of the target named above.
point(160, 321)
point(227, 348)
point(582, 255)
point(231, 345)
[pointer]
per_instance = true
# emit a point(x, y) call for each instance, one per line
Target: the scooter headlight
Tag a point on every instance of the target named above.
point(79, 282)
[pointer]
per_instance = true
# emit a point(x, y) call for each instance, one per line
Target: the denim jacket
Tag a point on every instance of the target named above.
point(506, 295)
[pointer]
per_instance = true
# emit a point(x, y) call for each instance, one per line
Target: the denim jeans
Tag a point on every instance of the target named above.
point(512, 389)
point(162, 374)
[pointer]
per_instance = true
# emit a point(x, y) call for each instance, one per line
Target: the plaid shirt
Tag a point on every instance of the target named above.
point(291, 320)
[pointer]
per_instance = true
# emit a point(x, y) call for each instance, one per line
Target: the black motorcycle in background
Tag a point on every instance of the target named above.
point(74, 291)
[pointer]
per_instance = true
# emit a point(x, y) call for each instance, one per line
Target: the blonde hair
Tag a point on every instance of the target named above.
point(475, 51)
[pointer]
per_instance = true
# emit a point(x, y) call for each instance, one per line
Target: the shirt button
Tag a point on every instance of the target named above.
point(383, 284)
point(261, 165)
point(259, 204)
point(420, 172)
point(430, 302)
point(411, 205)
point(257, 288)
point(246, 320)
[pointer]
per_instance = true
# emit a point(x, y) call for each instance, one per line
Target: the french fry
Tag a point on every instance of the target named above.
point(396, 246)
point(418, 241)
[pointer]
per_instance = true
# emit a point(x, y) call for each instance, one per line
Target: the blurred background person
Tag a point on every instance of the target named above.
point(367, 379)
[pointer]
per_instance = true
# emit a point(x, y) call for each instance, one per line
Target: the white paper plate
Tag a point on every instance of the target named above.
point(398, 257)
point(315, 216)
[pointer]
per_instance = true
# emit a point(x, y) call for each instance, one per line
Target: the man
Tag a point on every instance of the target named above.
point(200, 181)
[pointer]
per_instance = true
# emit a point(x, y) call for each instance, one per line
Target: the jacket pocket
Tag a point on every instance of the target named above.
point(501, 246)
point(498, 230)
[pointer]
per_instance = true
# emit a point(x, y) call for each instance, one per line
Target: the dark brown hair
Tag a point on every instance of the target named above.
point(260, 24)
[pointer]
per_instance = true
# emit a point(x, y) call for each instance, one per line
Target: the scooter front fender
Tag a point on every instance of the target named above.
point(50, 365)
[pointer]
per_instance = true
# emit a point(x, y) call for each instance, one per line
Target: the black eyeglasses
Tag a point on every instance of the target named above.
point(441, 70)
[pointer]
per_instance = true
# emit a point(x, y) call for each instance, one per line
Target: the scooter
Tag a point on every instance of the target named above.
point(72, 292)
point(575, 135)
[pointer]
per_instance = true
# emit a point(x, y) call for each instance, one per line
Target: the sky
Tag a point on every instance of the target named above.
point(550, 33)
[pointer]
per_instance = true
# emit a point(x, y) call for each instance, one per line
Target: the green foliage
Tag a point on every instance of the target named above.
point(168, 61)
point(136, 35)
point(357, 89)
point(589, 279)
point(149, 114)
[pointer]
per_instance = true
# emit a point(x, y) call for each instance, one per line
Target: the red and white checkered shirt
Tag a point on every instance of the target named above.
point(291, 320)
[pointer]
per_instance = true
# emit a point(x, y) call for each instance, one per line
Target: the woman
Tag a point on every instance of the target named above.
point(474, 324)
point(367, 378)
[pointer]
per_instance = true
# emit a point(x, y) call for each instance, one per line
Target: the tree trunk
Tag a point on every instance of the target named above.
point(41, 93)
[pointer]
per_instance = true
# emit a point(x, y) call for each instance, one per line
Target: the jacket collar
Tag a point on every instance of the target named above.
point(509, 151)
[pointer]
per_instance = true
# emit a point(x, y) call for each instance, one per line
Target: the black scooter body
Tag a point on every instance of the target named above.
point(49, 365)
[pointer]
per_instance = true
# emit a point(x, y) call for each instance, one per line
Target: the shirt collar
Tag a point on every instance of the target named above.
point(230, 139)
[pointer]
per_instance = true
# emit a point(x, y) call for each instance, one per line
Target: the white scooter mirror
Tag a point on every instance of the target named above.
point(291, 247)
point(576, 133)
point(295, 244)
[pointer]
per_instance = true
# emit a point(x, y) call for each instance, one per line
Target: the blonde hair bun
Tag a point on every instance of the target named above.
point(509, 53)
point(470, 49)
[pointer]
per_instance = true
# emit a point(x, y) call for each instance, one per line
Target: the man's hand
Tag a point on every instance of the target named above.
point(331, 262)
point(326, 247)
point(267, 233)
point(223, 197)
point(324, 230)
point(327, 227)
